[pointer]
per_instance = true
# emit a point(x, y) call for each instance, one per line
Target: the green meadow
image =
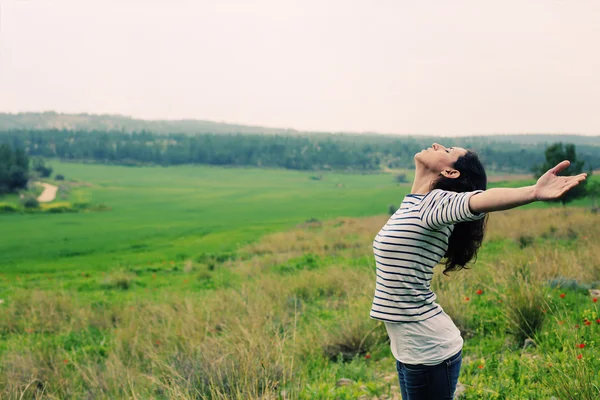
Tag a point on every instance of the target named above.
point(182, 212)
point(214, 283)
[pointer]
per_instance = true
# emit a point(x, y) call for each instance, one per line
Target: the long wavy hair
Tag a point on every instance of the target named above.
point(466, 238)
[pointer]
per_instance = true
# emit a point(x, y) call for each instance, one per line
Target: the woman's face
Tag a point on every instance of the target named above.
point(438, 158)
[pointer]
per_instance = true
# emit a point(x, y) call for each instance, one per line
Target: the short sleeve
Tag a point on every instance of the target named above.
point(442, 208)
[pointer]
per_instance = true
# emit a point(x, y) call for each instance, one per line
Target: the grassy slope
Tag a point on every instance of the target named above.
point(182, 212)
point(131, 284)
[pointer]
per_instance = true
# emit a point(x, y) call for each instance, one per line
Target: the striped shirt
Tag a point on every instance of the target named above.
point(406, 249)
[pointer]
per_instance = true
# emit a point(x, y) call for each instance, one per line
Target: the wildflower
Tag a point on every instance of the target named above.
point(479, 291)
point(561, 322)
point(581, 346)
point(577, 326)
point(579, 356)
point(598, 321)
point(480, 366)
point(588, 323)
point(66, 361)
point(549, 365)
point(158, 342)
point(562, 295)
point(595, 299)
point(466, 299)
point(367, 356)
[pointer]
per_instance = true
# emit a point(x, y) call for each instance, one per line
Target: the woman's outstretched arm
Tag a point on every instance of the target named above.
point(548, 187)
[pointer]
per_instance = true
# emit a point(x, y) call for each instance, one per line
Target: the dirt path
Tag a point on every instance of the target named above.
point(49, 193)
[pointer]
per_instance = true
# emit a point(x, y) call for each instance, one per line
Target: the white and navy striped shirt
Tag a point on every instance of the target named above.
point(411, 243)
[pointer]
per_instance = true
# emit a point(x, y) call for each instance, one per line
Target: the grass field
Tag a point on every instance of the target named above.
point(204, 282)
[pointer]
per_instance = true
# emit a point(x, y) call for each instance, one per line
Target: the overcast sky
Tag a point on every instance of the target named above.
point(420, 67)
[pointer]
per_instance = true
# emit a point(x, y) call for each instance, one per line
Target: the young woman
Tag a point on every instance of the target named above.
point(442, 217)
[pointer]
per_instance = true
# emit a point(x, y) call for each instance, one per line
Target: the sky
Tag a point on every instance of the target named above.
point(392, 66)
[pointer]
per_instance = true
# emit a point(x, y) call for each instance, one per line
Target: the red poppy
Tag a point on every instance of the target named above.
point(549, 365)
point(367, 356)
point(562, 295)
point(581, 346)
point(598, 320)
point(466, 299)
point(576, 325)
point(480, 366)
point(479, 291)
point(595, 299)
point(579, 356)
point(561, 322)
point(588, 323)
point(65, 361)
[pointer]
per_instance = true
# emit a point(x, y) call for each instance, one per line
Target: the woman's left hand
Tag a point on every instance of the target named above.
point(550, 186)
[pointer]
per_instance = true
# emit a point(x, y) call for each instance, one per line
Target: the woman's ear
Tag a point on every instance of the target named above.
point(451, 173)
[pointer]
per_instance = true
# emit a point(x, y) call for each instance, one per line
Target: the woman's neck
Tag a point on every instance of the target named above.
point(422, 181)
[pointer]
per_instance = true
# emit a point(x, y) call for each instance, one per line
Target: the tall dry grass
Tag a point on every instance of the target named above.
point(253, 341)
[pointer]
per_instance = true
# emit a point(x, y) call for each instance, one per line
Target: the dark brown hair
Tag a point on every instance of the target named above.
point(466, 238)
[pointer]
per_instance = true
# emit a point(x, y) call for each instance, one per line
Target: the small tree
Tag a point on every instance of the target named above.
point(556, 153)
point(40, 167)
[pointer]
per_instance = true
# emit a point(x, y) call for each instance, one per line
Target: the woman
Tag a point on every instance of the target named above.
point(443, 216)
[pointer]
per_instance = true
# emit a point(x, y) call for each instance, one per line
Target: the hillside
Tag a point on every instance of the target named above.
point(107, 122)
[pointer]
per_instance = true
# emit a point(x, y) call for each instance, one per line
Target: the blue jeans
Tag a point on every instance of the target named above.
point(429, 382)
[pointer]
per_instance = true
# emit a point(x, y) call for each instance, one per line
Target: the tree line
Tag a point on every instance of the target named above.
point(300, 152)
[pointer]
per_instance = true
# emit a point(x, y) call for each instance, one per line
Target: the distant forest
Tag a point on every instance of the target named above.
point(292, 151)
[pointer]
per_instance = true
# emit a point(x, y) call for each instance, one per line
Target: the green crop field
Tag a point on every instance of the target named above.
point(202, 282)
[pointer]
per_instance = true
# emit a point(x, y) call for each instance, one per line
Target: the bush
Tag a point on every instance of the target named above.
point(30, 202)
point(119, 281)
point(57, 208)
point(401, 178)
point(352, 335)
point(525, 241)
point(59, 177)
point(392, 209)
point(8, 208)
point(525, 304)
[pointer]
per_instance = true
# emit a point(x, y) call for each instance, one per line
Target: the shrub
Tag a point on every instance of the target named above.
point(525, 241)
point(120, 280)
point(392, 209)
point(525, 304)
point(8, 208)
point(57, 208)
point(30, 202)
point(352, 335)
point(59, 177)
point(401, 178)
